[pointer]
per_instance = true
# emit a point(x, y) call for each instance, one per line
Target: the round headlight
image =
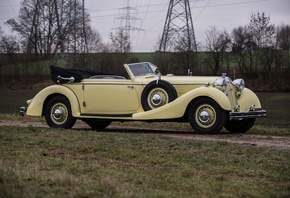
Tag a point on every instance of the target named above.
point(239, 83)
point(221, 82)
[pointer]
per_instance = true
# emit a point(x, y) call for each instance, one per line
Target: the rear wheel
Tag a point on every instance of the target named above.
point(96, 124)
point(58, 113)
point(206, 116)
point(240, 126)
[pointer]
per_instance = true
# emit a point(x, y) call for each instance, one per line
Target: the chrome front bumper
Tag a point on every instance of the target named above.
point(23, 111)
point(249, 114)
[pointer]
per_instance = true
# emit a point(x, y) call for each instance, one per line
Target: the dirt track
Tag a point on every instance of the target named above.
point(274, 142)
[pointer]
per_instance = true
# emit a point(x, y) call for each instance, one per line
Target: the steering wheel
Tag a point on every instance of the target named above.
point(135, 72)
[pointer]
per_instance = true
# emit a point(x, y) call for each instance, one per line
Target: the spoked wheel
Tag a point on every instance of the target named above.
point(206, 116)
point(157, 94)
point(96, 124)
point(157, 97)
point(58, 113)
point(240, 126)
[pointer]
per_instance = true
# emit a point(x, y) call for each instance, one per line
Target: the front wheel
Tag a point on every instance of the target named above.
point(240, 126)
point(58, 113)
point(206, 116)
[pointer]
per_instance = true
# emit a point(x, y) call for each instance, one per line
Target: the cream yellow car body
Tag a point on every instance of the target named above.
point(120, 99)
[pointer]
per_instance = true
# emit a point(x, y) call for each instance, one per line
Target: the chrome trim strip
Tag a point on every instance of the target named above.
point(110, 83)
point(107, 115)
point(116, 83)
point(249, 114)
point(207, 84)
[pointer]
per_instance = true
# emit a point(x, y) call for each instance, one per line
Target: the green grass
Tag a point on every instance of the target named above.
point(278, 110)
point(12, 100)
point(43, 162)
point(144, 57)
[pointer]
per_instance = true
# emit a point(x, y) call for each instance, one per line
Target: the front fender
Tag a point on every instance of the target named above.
point(177, 108)
point(247, 99)
point(36, 105)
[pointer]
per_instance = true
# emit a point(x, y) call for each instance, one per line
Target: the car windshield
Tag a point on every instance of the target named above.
point(142, 69)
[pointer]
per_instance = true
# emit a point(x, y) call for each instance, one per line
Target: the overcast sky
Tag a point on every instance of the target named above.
point(150, 16)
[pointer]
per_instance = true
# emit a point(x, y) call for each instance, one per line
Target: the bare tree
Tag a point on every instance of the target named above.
point(95, 43)
point(262, 31)
point(180, 59)
point(244, 48)
point(163, 59)
point(254, 43)
point(50, 26)
point(283, 37)
point(184, 58)
point(217, 43)
point(115, 53)
point(263, 35)
point(120, 42)
point(282, 55)
point(238, 39)
point(9, 45)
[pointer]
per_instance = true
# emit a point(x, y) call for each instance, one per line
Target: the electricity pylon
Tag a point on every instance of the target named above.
point(178, 27)
point(129, 19)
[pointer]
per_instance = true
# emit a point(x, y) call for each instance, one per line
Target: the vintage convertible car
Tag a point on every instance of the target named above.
point(207, 103)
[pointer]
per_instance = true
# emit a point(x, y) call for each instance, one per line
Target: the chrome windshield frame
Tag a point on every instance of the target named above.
point(142, 69)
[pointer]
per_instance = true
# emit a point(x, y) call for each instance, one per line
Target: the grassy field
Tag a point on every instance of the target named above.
point(11, 100)
point(278, 110)
point(144, 57)
point(43, 162)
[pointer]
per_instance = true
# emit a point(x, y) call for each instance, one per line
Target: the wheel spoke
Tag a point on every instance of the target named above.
point(205, 115)
point(157, 97)
point(59, 113)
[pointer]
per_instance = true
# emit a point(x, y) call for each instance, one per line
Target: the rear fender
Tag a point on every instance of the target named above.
point(36, 106)
point(178, 107)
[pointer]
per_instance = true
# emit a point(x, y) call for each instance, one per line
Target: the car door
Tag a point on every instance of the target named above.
point(109, 96)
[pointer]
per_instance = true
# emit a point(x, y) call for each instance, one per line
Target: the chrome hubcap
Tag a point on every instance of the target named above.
point(57, 114)
point(156, 99)
point(204, 116)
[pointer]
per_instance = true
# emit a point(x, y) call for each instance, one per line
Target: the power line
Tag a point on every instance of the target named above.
point(202, 10)
point(192, 7)
point(140, 6)
point(236, 3)
point(142, 21)
point(153, 5)
point(6, 6)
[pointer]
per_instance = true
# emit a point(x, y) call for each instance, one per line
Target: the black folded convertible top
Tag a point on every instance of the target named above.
point(78, 73)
